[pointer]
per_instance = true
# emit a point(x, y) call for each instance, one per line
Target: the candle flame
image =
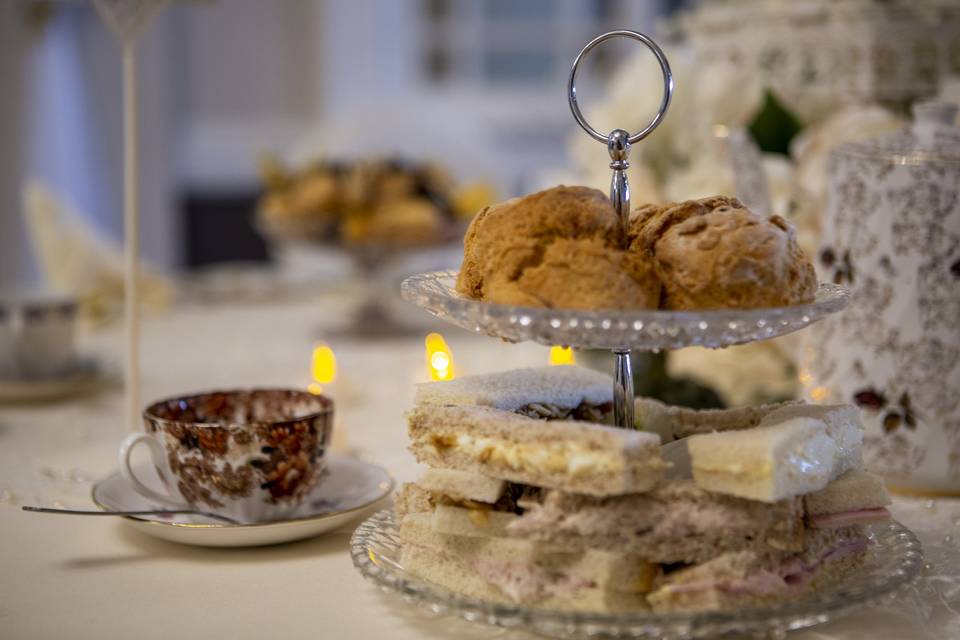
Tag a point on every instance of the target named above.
point(439, 357)
point(562, 356)
point(323, 367)
point(819, 394)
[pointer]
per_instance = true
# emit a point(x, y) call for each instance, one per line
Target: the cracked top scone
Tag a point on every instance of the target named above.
point(717, 254)
point(559, 248)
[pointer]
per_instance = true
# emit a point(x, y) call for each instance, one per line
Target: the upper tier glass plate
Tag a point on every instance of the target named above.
point(893, 561)
point(646, 330)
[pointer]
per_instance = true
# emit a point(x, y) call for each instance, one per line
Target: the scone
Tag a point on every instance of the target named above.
point(717, 254)
point(581, 274)
point(559, 248)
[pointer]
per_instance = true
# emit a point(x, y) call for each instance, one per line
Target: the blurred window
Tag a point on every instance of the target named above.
point(504, 43)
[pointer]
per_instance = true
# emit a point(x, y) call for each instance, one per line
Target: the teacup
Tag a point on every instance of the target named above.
point(251, 455)
point(37, 335)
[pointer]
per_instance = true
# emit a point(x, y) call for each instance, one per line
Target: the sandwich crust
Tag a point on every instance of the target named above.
point(514, 390)
point(855, 490)
point(410, 498)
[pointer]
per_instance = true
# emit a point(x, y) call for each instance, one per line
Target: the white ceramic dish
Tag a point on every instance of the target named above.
point(350, 490)
point(85, 376)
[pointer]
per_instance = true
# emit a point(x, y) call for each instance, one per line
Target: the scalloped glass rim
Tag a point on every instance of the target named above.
point(893, 562)
point(635, 329)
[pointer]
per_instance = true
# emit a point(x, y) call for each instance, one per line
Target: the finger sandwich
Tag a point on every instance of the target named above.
point(531, 497)
point(485, 425)
point(794, 450)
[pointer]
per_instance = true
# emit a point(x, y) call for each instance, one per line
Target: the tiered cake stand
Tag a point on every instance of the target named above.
point(619, 331)
point(893, 561)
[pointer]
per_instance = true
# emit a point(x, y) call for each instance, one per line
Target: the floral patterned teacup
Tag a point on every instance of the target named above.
point(250, 455)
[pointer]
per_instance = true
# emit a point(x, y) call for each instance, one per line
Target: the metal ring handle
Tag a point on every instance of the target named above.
point(667, 84)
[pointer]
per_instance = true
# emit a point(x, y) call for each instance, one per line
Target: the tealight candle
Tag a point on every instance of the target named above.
point(439, 358)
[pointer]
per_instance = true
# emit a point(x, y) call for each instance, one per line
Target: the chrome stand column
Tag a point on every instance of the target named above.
point(618, 144)
point(623, 391)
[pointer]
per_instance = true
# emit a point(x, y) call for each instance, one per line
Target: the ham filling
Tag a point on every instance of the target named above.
point(847, 518)
point(792, 574)
point(525, 581)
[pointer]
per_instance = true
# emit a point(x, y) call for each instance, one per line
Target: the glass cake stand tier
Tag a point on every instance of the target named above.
point(644, 330)
point(894, 560)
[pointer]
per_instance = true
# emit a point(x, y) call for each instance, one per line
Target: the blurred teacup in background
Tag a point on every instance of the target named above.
point(250, 455)
point(37, 336)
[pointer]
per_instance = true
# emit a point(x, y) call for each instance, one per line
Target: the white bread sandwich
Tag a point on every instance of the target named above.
point(460, 485)
point(773, 461)
point(747, 579)
point(856, 497)
point(676, 522)
point(843, 426)
point(459, 508)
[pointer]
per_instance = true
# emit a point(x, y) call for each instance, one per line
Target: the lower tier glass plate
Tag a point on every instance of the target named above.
point(894, 560)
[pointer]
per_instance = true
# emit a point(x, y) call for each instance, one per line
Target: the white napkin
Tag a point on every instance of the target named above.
point(75, 260)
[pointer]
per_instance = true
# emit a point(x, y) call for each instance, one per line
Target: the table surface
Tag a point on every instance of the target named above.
point(98, 578)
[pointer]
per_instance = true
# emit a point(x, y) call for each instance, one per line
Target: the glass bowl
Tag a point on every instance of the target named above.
point(894, 560)
point(647, 330)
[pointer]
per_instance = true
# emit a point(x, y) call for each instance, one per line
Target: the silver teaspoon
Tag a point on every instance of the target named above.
point(146, 512)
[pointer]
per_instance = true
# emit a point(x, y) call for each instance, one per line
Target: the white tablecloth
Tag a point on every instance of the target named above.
point(78, 577)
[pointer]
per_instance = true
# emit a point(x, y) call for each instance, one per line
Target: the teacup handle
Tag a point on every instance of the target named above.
point(157, 454)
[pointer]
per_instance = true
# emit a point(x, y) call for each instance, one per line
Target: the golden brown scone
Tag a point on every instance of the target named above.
point(509, 255)
point(717, 254)
point(649, 222)
point(580, 274)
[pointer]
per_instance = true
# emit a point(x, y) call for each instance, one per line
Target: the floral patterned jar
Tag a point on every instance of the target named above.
point(892, 234)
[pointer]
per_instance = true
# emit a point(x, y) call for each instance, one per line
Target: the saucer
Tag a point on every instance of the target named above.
point(349, 490)
point(86, 375)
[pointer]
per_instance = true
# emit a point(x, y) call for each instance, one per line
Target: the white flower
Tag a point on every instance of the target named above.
point(741, 375)
point(950, 91)
point(726, 95)
point(811, 148)
point(631, 99)
point(707, 176)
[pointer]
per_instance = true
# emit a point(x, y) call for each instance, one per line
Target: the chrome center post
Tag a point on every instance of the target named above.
point(618, 144)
